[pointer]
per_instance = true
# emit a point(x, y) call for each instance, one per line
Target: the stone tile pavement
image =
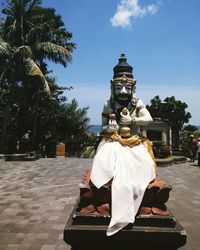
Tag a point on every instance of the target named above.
point(36, 199)
point(184, 200)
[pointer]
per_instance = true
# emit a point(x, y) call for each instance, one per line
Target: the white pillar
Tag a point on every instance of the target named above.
point(144, 132)
point(164, 138)
point(170, 139)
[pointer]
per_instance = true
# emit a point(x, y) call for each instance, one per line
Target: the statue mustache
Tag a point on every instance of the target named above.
point(123, 96)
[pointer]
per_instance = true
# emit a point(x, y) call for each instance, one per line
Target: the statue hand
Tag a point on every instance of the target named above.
point(125, 120)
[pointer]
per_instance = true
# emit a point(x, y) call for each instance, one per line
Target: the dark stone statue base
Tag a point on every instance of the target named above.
point(148, 232)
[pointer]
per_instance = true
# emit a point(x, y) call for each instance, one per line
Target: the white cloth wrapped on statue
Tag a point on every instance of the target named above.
point(131, 168)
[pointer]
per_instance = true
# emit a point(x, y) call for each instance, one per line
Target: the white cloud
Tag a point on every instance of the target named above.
point(152, 8)
point(129, 9)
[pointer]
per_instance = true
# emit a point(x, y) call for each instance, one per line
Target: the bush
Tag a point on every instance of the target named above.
point(88, 152)
point(185, 139)
point(164, 151)
point(161, 151)
point(156, 146)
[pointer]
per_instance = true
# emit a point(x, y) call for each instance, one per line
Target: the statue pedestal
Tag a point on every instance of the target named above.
point(148, 232)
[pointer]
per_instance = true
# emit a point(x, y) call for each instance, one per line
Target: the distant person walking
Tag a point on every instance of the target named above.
point(192, 148)
point(198, 150)
point(26, 141)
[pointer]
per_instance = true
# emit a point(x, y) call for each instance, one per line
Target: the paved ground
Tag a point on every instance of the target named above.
point(36, 199)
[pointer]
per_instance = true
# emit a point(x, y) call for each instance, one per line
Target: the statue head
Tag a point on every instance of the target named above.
point(123, 82)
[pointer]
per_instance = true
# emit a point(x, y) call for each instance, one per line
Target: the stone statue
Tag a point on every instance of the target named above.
point(123, 180)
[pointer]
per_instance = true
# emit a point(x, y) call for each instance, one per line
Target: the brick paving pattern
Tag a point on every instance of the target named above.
point(36, 199)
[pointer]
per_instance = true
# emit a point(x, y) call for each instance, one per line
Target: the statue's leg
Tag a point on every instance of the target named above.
point(161, 197)
point(148, 200)
point(93, 199)
point(155, 197)
point(103, 199)
point(86, 204)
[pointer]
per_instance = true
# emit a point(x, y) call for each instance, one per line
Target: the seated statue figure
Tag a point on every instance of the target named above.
point(123, 180)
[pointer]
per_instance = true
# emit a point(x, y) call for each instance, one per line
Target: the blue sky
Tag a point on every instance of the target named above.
point(161, 40)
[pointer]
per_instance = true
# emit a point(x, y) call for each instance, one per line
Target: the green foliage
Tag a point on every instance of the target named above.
point(190, 127)
point(88, 152)
point(161, 151)
point(30, 36)
point(164, 151)
point(185, 140)
point(60, 118)
point(170, 109)
point(197, 134)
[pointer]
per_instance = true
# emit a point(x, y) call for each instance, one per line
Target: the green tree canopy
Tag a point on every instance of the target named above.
point(60, 117)
point(30, 37)
point(190, 127)
point(171, 109)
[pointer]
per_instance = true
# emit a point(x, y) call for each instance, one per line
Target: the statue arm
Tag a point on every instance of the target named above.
point(143, 116)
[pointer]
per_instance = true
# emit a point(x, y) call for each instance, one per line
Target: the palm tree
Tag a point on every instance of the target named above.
point(34, 34)
point(29, 36)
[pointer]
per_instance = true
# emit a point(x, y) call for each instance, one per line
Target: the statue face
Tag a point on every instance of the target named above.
point(123, 91)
